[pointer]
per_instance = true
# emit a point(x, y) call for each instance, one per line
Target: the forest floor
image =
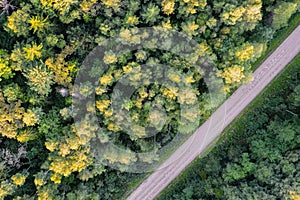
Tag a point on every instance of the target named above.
point(214, 126)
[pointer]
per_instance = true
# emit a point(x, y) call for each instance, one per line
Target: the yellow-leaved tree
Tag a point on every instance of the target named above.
point(18, 22)
point(86, 5)
point(294, 195)
point(62, 69)
point(111, 3)
point(233, 76)
point(232, 16)
point(190, 6)
point(37, 24)
point(18, 179)
point(11, 116)
point(40, 79)
point(245, 53)
point(62, 6)
point(168, 6)
point(32, 51)
point(6, 70)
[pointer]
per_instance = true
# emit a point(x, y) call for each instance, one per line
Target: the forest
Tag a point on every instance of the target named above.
point(47, 141)
point(258, 157)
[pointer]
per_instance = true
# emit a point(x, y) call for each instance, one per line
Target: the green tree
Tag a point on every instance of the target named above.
point(296, 96)
point(40, 79)
point(151, 13)
point(5, 69)
point(282, 13)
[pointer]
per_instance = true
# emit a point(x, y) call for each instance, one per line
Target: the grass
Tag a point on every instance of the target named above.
point(279, 37)
point(236, 126)
point(133, 185)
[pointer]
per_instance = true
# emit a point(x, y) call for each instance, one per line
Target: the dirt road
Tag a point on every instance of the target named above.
point(214, 126)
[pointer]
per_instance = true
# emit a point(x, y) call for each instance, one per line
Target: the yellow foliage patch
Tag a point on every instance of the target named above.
point(106, 79)
point(132, 20)
point(170, 92)
point(193, 4)
point(30, 118)
point(62, 6)
point(51, 146)
point(111, 3)
point(10, 117)
point(167, 24)
point(18, 179)
point(233, 16)
point(72, 163)
point(38, 182)
point(37, 23)
point(233, 74)
point(102, 105)
point(109, 58)
point(56, 178)
point(60, 67)
point(16, 22)
point(294, 195)
point(87, 4)
point(168, 6)
point(246, 53)
point(33, 51)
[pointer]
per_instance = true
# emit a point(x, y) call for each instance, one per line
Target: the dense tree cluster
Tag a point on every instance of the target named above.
point(45, 153)
point(259, 159)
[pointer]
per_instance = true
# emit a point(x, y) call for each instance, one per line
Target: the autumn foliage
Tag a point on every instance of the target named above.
point(43, 44)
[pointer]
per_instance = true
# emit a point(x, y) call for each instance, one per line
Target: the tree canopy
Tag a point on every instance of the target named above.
point(46, 145)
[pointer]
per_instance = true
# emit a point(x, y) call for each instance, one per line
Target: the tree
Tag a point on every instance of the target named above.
point(13, 92)
point(17, 22)
point(294, 195)
point(18, 179)
point(263, 33)
point(234, 172)
point(86, 5)
point(37, 23)
point(232, 14)
point(245, 53)
point(6, 188)
point(295, 96)
point(282, 13)
point(11, 116)
point(31, 117)
point(62, 69)
point(40, 79)
point(233, 76)
point(168, 6)
point(6, 71)
point(150, 13)
point(252, 16)
point(41, 51)
point(112, 3)
point(62, 6)
point(32, 51)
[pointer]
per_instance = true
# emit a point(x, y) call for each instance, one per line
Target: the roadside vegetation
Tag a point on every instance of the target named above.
point(279, 37)
point(257, 156)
